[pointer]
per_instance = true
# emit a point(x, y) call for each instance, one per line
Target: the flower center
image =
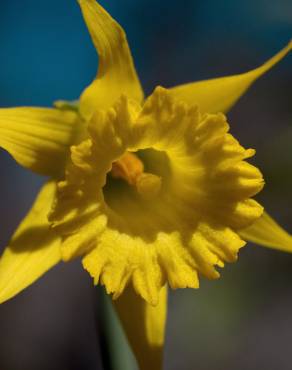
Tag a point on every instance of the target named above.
point(135, 190)
point(130, 168)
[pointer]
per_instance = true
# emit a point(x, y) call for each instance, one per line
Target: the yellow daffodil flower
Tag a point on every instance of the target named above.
point(149, 192)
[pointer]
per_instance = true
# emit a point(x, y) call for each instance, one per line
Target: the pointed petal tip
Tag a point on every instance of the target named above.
point(220, 94)
point(86, 2)
point(116, 70)
point(279, 56)
point(268, 233)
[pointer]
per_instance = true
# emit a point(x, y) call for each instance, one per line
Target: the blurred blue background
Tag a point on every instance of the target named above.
point(243, 321)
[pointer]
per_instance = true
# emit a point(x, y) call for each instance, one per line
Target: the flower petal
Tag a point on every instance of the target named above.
point(33, 250)
point(116, 72)
point(266, 232)
point(220, 94)
point(145, 327)
point(114, 266)
point(38, 138)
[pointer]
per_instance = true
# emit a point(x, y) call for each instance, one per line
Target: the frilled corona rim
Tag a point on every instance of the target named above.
point(187, 227)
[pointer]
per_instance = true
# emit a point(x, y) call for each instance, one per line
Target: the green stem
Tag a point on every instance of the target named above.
point(117, 354)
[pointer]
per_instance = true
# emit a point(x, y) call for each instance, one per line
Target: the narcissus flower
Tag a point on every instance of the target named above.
point(149, 192)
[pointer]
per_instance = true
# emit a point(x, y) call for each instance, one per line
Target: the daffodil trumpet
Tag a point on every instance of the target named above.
point(149, 192)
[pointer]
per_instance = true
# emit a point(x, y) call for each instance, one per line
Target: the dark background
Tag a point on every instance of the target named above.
point(243, 321)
